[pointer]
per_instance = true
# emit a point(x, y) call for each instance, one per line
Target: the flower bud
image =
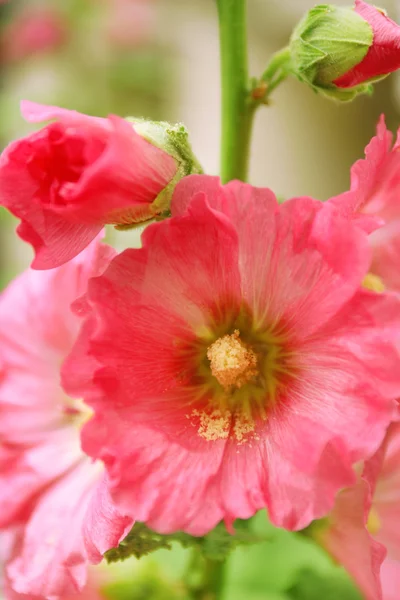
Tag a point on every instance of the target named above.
point(339, 51)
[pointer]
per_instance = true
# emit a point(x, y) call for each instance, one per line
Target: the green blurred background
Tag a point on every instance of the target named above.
point(159, 59)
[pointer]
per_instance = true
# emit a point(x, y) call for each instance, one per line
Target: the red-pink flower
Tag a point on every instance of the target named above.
point(235, 362)
point(383, 56)
point(374, 201)
point(70, 178)
point(49, 489)
point(363, 531)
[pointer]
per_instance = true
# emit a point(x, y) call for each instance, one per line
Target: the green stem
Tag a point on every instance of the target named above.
point(237, 112)
point(278, 69)
point(205, 577)
point(278, 65)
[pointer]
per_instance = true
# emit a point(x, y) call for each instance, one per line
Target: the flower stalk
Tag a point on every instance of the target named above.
point(237, 110)
point(205, 576)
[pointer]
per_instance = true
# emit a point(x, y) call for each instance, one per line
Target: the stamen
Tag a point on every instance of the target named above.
point(213, 426)
point(232, 362)
point(220, 424)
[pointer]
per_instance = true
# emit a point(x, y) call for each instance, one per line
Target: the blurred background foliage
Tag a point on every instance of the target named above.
point(159, 59)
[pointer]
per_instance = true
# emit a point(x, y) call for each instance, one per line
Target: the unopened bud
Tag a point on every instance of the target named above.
point(340, 51)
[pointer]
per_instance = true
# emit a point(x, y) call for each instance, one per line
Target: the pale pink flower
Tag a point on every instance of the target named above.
point(92, 589)
point(49, 488)
point(363, 530)
point(235, 362)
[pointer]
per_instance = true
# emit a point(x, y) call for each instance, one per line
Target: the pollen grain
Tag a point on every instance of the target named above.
point(232, 363)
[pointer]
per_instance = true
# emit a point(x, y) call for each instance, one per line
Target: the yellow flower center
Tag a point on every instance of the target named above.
point(232, 362)
point(238, 371)
point(374, 283)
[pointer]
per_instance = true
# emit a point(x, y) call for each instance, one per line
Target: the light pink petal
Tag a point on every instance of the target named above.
point(207, 186)
point(387, 494)
point(349, 542)
point(298, 259)
point(36, 113)
point(308, 277)
point(390, 576)
point(37, 329)
point(104, 526)
point(54, 240)
point(27, 472)
point(367, 173)
point(386, 254)
point(151, 475)
point(52, 559)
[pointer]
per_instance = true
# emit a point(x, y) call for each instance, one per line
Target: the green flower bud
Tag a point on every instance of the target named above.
point(327, 43)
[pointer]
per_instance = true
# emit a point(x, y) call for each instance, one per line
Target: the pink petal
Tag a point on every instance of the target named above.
point(104, 526)
point(383, 56)
point(52, 559)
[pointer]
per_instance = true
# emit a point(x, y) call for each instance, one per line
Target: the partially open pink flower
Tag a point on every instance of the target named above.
point(234, 362)
point(76, 174)
point(374, 201)
point(49, 488)
point(363, 531)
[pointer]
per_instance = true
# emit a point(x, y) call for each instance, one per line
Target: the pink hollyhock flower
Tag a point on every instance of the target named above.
point(383, 56)
point(70, 178)
point(33, 31)
point(54, 493)
point(374, 200)
point(234, 362)
point(363, 530)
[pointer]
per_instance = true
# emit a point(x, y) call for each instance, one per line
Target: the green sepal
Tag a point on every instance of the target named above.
point(174, 140)
point(216, 545)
